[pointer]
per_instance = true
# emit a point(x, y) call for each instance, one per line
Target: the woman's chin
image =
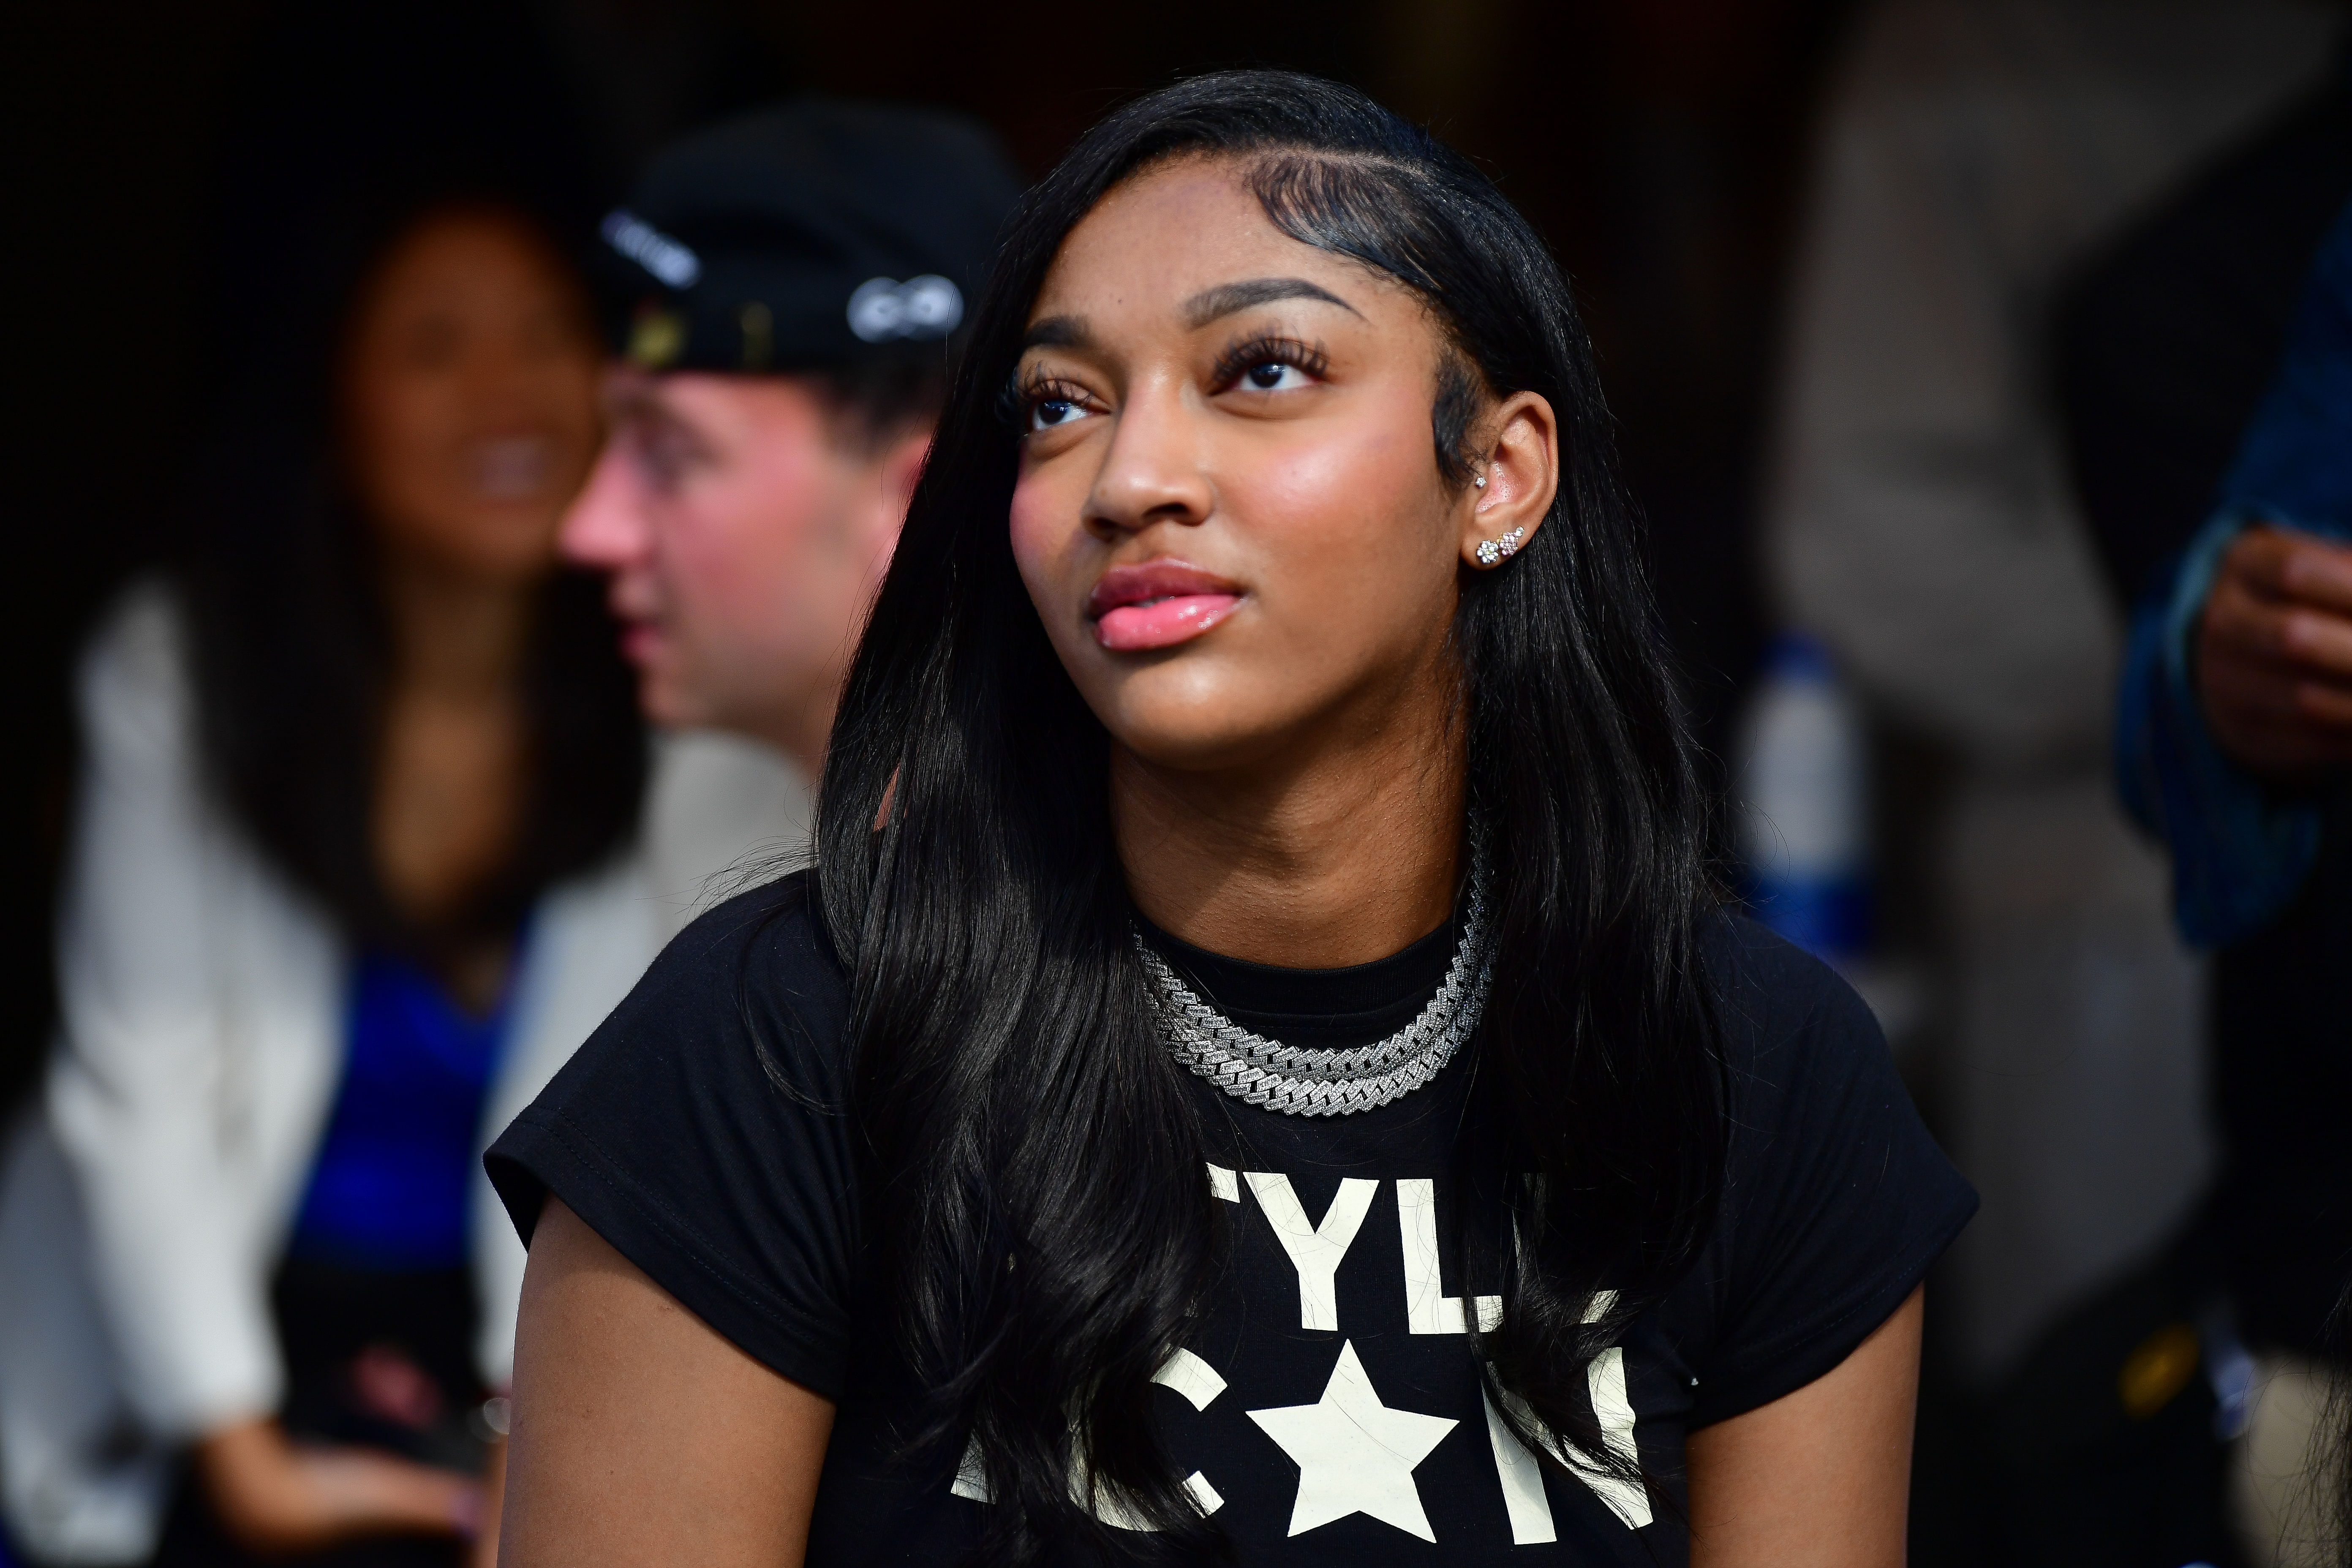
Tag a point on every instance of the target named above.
point(1196, 737)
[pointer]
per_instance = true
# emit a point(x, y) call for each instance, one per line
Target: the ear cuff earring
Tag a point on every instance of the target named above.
point(1494, 552)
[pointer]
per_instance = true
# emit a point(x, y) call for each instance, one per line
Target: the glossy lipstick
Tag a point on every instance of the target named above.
point(1157, 605)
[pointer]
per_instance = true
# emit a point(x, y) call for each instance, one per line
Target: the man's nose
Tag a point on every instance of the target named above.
point(605, 526)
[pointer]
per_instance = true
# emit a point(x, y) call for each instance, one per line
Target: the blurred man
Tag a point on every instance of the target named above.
point(790, 288)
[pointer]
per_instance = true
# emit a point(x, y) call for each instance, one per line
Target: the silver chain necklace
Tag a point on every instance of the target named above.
point(1302, 1080)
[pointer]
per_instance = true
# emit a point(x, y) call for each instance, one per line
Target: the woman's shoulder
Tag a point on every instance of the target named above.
point(144, 625)
point(136, 657)
point(1781, 1010)
point(1816, 1103)
point(758, 970)
point(1835, 1199)
point(745, 1001)
point(704, 1131)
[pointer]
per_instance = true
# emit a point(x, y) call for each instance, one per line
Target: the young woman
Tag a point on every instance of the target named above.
point(1257, 1066)
point(342, 897)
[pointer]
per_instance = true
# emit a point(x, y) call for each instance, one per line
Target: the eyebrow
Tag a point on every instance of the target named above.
point(1207, 306)
point(1226, 299)
point(1055, 333)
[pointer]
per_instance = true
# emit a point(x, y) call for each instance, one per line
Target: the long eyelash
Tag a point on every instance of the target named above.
point(1012, 402)
point(1023, 394)
point(1259, 351)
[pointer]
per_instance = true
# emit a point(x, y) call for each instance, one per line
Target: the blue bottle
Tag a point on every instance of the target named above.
point(1803, 802)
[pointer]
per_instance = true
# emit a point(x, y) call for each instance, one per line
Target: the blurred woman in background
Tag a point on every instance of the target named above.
point(347, 886)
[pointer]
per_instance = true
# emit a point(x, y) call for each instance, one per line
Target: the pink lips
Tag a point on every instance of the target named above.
point(1157, 605)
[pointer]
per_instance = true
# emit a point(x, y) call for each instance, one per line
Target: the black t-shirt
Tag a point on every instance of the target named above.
point(1328, 1409)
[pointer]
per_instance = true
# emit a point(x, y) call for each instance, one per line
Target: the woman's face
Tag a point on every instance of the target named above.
point(1229, 513)
point(470, 396)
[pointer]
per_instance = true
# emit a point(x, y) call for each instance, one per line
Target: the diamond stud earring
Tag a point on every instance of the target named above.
point(1494, 552)
point(1480, 482)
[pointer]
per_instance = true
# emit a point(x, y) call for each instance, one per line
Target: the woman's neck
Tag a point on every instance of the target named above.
point(1338, 853)
point(455, 638)
point(452, 754)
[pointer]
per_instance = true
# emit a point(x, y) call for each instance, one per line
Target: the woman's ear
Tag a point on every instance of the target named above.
point(1512, 482)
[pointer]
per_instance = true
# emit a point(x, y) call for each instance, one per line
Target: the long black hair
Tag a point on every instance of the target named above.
point(1039, 1200)
point(290, 644)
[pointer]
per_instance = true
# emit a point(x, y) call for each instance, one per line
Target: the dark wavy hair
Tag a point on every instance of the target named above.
point(1039, 1202)
point(290, 646)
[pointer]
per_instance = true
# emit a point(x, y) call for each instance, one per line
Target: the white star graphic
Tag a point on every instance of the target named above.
point(1354, 1454)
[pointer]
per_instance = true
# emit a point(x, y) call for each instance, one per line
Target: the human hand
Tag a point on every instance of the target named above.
point(274, 1498)
point(2274, 654)
point(484, 1551)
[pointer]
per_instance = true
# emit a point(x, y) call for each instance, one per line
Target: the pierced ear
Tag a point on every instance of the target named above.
point(1512, 483)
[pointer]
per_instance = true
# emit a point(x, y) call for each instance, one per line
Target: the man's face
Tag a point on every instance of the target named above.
point(744, 540)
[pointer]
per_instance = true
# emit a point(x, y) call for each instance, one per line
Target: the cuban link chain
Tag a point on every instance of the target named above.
point(1301, 1081)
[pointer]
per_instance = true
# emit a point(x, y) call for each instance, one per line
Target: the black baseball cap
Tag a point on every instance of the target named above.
point(805, 237)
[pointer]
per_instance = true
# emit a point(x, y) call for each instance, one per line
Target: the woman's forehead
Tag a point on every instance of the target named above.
point(462, 257)
point(1163, 240)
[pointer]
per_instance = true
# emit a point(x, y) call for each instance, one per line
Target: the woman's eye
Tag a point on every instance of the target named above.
point(1050, 413)
point(1273, 375)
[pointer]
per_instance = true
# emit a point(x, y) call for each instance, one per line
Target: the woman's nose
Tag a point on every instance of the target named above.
point(1154, 470)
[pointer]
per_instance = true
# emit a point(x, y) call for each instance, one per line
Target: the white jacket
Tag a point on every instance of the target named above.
point(146, 1197)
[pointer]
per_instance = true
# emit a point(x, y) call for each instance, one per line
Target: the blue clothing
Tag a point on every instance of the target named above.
point(389, 1188)
point(2242, 850)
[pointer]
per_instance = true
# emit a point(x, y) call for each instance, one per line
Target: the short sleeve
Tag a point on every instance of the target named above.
point(1835, 1199)
point(703, 1131)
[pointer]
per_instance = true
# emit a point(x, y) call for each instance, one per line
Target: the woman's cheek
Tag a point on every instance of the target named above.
point(570, 415)
point(1309, 495)
point(1343, 494)
point(398, 459)
point(423, 420)
point(1040, 526)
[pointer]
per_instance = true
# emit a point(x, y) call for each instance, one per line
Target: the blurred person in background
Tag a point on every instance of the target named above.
point(787, 289)
point(1921, 519)
point(2234, 743)
point(2168, 344)
point(350, 880)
